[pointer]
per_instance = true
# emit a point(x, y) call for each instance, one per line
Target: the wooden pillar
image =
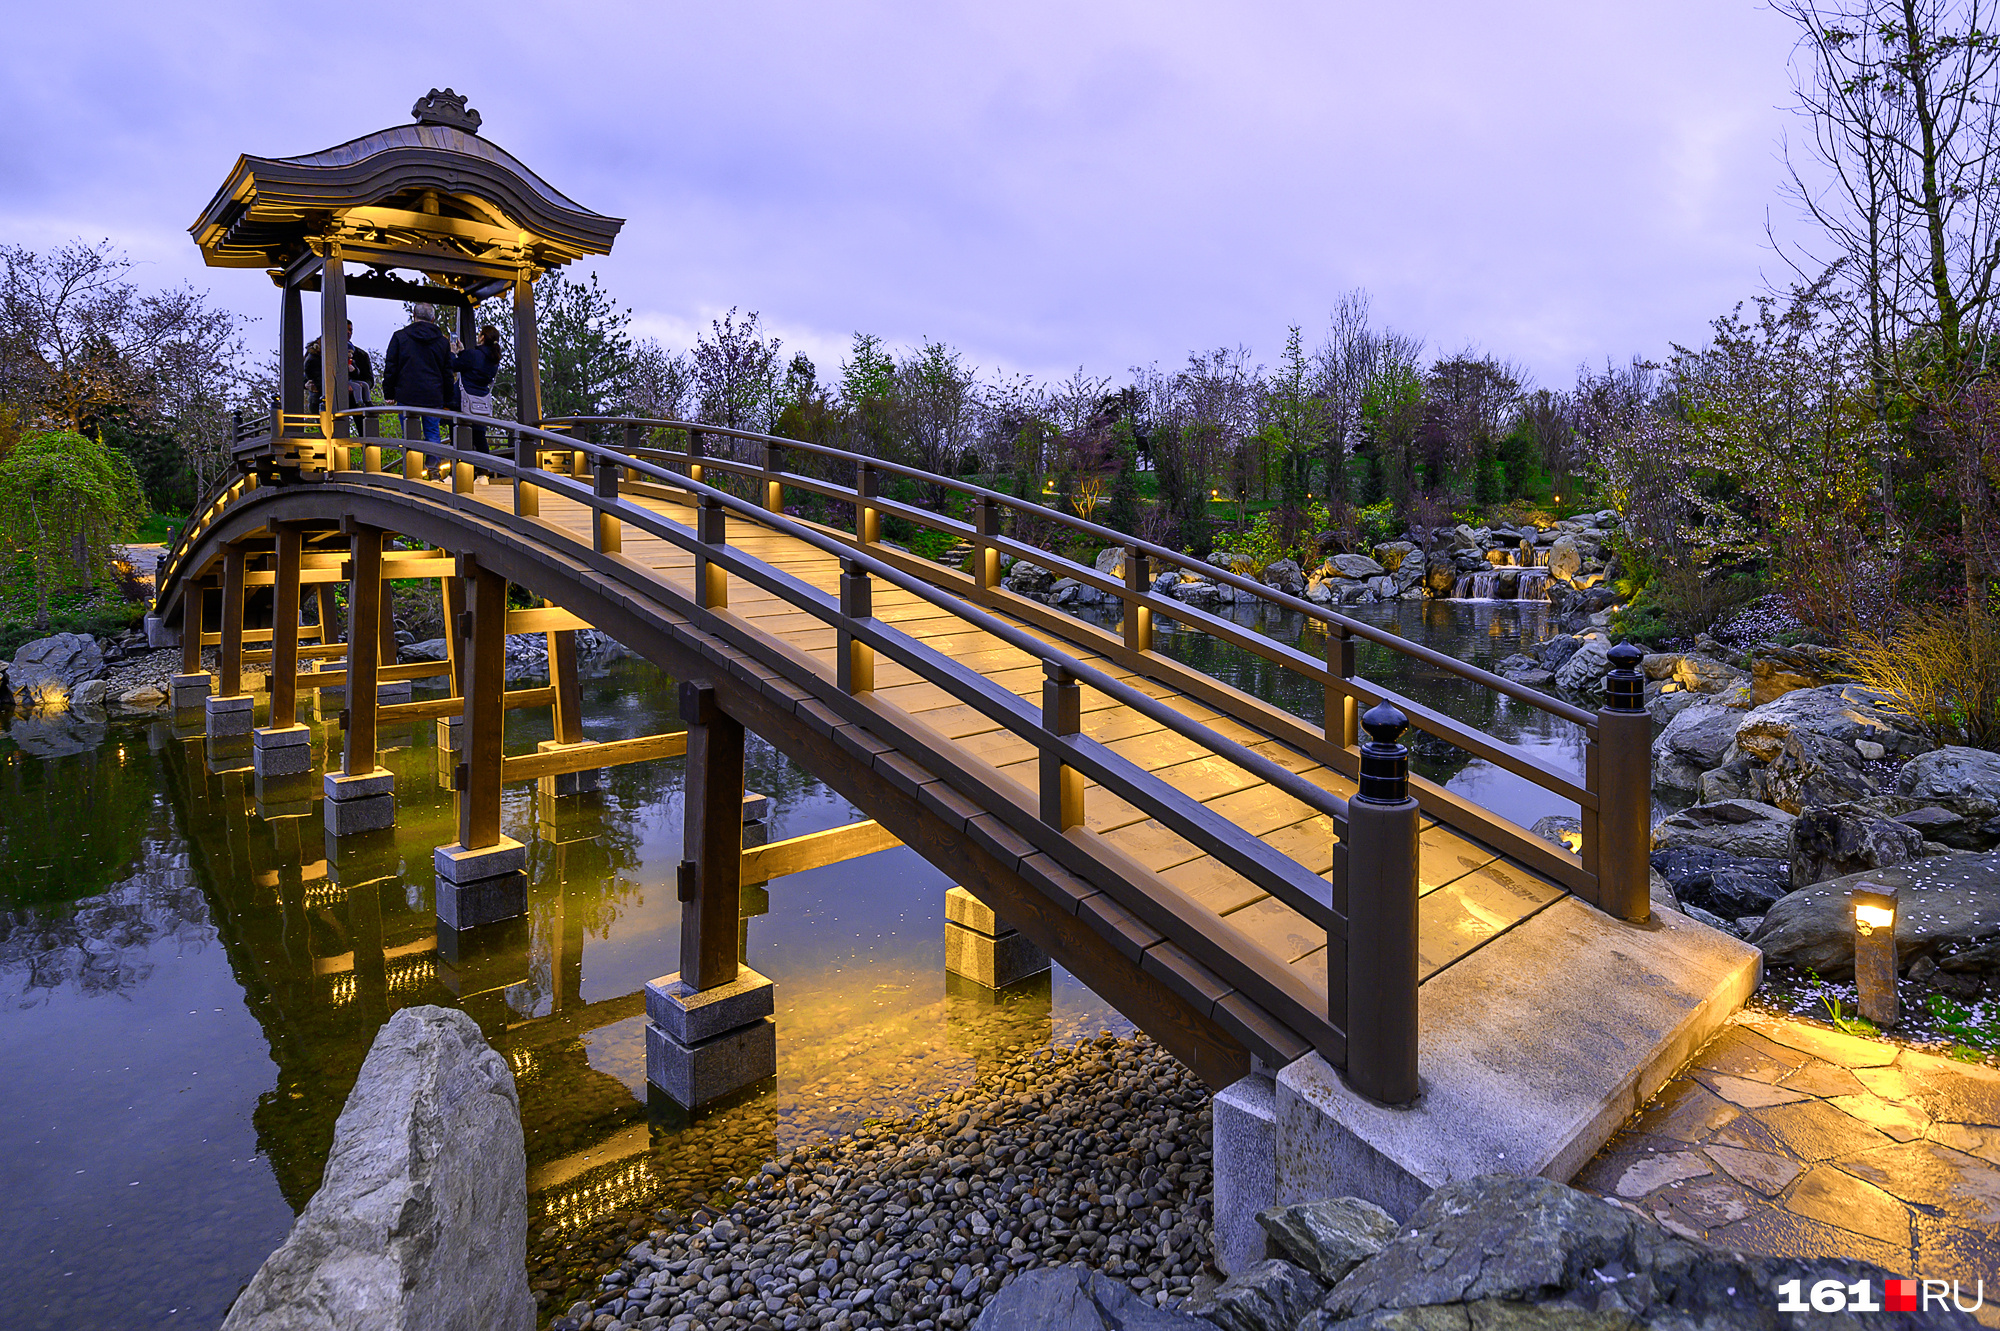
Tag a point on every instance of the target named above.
point(712, 868)
point(333, 334)
point(568, 707)
point(292, 350)
point(192, 598)
point(285, 628)
point(364, 609)
point(452, 592)
point(527, 362)
point(485, 715)
point(324, 595)
point(231, 654)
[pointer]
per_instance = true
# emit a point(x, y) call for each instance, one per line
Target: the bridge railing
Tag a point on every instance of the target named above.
point(1613, 794)
point(1371, 972)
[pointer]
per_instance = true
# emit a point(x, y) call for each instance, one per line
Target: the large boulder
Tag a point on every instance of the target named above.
point(420, 1222)
point(1440, 576)
point(1111, 561)
point(1496, 1252)
point(1842, 839)
point(1947, 827)
point(1702, 674)
point(1356, 566)
point(1286, 577)
point(1586, 667)
point(1729, 887)
point(1947, 909)
point(1776, 671)
point(45, 672)
point(1565, 558)
point(1736, 827)
point(1392, 555)
point(1811, 769)
point(1966, 781)
point(1234, 562)
point(1329, 1238)
point(1028, 579)
point(1844, 712)
point(1695, 741)
point(1076, 1298)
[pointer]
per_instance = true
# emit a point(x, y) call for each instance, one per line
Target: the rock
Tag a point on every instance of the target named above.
point(1700, 674)
point(1320, 592)
point(1384, 587)
point(1329, 1238)
point(421, 1217)
point(1947, 827)
point(1271, 1296)
point(1497, 1253)
point(145, 698)
point(1393, 555)
point(1730, 886)
point(1286, 577)
point(1842, 839)
point(1076, 1298)
point(1355, 593)
point(90, 693)
point(1734, 780)
point(1947, 909)
point(47, 671)
point(1586, 667)
point(1554, 651)
point(1356, 566)
point(1844, 712)
point(1440, 576)
point(1738, 827)
point(1776, 671)
point(429, 649)
point(1164, 583)
point(1028, 579)
point(1966, 781)
point(1811, 769)
point(1234, 561)
point(1659, 665)
point(1111, 561)
point(1197, 593)
point(1664, 706)
point(1565, 558)
point(1408, 576)
point(1698, 739)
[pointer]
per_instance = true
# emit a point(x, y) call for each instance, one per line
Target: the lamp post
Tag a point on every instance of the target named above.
point(1875, 951)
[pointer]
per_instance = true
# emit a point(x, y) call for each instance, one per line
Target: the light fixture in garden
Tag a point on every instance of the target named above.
point(1875, 951)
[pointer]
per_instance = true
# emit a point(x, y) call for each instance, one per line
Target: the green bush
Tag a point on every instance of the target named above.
point(64, 499)
point(1378, 523)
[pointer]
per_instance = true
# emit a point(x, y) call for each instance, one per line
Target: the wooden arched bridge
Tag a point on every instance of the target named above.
point(1258, 891)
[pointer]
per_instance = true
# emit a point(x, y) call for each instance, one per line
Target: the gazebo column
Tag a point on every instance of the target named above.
point(361, 797)
point(284, 747)
point(480, 877)
point(229, 711)
point(292, 349)
point(709, 1029)
point(333, 338)
point(527, 355)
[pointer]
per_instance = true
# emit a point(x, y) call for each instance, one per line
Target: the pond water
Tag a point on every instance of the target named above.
point(191, 973)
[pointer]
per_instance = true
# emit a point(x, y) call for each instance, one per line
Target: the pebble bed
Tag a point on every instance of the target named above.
point(1096, 1153)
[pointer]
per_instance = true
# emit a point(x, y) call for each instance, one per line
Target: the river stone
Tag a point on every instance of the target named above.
point(1393, 555)
point(1320, 591)
point(1496, 1253)
point(1739, 827)
point(1271, 1296)
point(1286, 577)
point(1565, 558)
point(1843, 712)
point(1356, 566)
point(1329, 1238)
point(420, 1222)
point(1948, 908)
point(1585, 669)
point(45, 672)
point(145, 698)
point(1198, 593)
point(1700, 736)
point(1076, 1298)
point(429, 649)
point(1555, 651)
point(90, 693)
point(1734, 780)
point(1966, 781)
point(1811, 769)
point(1845, 838)
point(1950, 828)
point(1440, 575)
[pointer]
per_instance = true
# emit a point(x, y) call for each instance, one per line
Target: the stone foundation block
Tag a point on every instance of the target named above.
point(449, 728)
point(359, 785)
point(229, 752)
point(756, 807)
point(396, 690)
point(1246, 1170)
point(348, 817)
point(230, 715)
point(983, 948)
point(190, 691)
point(690, 1016)
point(695, 1075)
point(282, 750)
point(455, 864)
point(477, 901)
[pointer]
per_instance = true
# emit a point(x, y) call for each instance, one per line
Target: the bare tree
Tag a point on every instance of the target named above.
point(735, 373)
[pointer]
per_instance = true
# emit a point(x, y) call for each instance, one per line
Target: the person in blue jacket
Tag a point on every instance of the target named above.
point(417, 371)
point(477, 365)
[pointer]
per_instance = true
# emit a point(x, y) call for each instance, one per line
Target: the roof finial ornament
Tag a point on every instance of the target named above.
point(446, 108)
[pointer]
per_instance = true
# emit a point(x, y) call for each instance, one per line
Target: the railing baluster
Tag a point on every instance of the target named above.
point(608, 531)
point(527, 457)
point(1618, 836)
point(1138, 618)
point(1381, 943)
point(867, 518)
point(855, 667)
point(1062, 715)
point(1343, 710)
point(774, 467)
point(985, 554)
point(695, 446)
point(711, 583)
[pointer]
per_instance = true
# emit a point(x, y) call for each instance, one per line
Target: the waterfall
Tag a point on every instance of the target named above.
point(1534, 584)
point(1475, 586)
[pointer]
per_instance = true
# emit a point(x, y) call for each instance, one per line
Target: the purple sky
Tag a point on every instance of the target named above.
point(1042, 185)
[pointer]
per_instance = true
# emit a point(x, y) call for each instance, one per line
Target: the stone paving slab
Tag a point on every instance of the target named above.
point(1785, 1138)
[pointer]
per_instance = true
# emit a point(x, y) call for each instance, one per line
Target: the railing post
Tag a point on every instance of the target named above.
point(1062, 715)
point(528, 457)
point(609, 531)
point(867, 518)
point(371, 449)
point(1343, 709)
point(1617, 836)
point(774, 467)
point(711, 583)
point(632, 436)
point(695, 452)
point(1381, 944)
point(855, 667)
point(1138, 618)
point(985, 554)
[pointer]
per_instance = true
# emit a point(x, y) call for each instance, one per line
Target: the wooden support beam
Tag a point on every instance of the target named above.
point(285, 629)
point(485, 717)
point(712, 843)
point(192, 638)
point(364, 609)
point(591, 757)
point(314, 681)
point(307, 651)
point(568, 710)
point(427, 709)
point(544, 619)
point(814, 850)
point(309, 576)
point(452, 593)
point(231, 637)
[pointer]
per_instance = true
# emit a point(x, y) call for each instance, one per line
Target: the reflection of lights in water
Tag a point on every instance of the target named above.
point(411, 972)
point(340, 990)
point(325, 894)
point(574, 1208)
point(522, 1061)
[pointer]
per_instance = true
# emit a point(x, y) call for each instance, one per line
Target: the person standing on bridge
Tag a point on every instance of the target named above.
point(477, 365)
point(417, 371)
point(360, 374)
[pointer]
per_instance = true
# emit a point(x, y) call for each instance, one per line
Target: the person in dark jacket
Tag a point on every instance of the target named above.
point(477, 365)
point(360, 374)
point(417, 371)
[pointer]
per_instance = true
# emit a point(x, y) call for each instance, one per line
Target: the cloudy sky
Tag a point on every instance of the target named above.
point(1044, 186)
